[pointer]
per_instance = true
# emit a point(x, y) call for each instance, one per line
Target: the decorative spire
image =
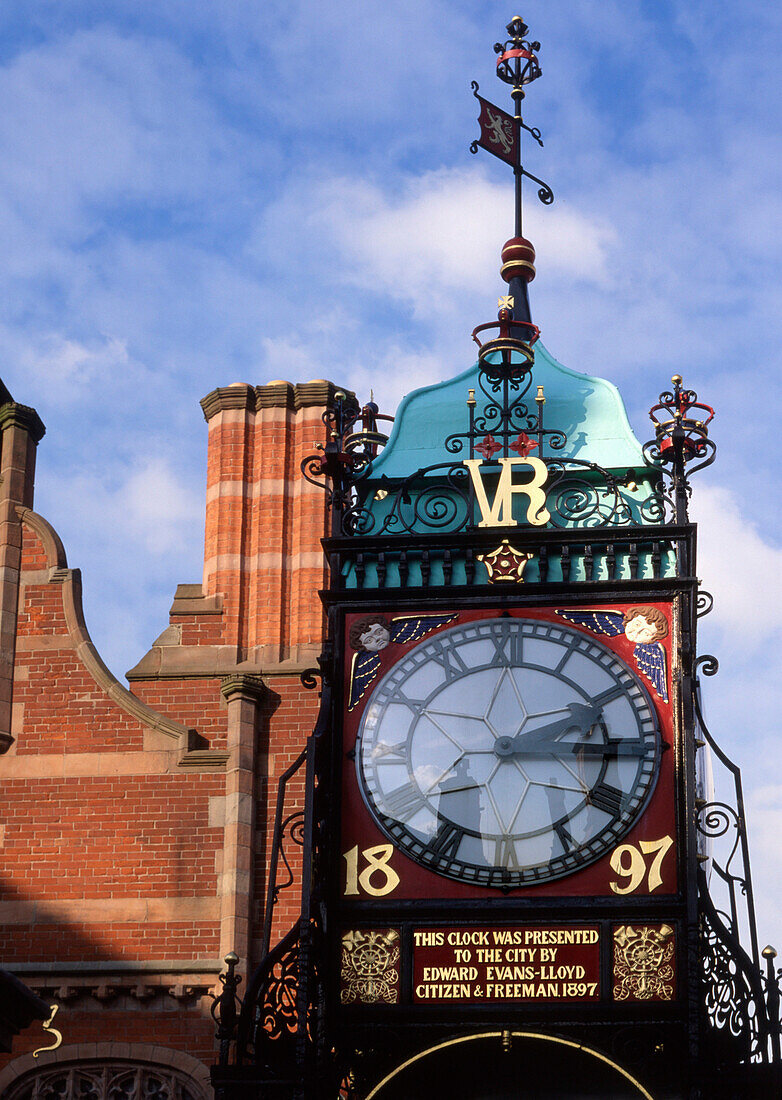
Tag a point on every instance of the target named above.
point(509, 355)
point(517, 66)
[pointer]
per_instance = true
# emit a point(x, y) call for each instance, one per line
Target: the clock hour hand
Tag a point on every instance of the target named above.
point(583, 748)
point(582, 718)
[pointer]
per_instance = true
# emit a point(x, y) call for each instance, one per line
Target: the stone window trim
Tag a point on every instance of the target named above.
point(25, 1068)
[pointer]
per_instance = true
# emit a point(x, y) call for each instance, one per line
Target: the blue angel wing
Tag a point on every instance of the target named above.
point(363, 672)
point(610, 623)
point(410, 628)
point(650, 657)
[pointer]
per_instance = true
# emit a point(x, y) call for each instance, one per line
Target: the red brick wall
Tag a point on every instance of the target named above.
point(195, 703)
point(120, 842)
point(180, 1028)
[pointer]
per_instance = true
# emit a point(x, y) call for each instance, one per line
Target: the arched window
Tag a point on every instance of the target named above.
point(105, 1081)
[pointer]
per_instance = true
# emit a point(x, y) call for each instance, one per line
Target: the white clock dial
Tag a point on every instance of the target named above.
point(507, 751)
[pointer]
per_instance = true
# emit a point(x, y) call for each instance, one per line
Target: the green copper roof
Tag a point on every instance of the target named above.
point(588, 410)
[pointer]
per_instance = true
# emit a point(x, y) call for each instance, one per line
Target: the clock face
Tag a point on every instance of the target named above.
point(507, 752)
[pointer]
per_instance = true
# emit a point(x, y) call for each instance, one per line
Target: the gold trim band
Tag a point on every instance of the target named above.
point(516, 263)
point(516, 1035)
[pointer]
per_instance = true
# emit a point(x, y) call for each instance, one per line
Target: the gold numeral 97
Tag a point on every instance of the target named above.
point(629, 863)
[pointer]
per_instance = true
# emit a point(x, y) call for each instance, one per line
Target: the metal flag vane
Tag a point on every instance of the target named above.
point(517, 65)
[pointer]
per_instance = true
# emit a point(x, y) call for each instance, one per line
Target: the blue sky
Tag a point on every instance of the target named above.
point(197, 194)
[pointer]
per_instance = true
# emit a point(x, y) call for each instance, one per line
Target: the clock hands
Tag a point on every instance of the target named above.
point(545, 740)
point(511, 763)
point(581, 719)
point(579, 748)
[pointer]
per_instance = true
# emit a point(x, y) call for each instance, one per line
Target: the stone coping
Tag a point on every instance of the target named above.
point(273, 395)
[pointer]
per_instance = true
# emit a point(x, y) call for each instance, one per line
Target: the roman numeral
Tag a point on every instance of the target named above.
point(507, 649)
point(505, 853)
point(446, 840)
point(451, 663)
point(607, 695)
point(606, 798)
point(565, 839)
point(389, 754)
point(415, 705)
point(403, 802)
point(571, 649)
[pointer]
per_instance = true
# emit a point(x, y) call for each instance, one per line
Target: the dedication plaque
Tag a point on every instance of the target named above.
point(511, 963)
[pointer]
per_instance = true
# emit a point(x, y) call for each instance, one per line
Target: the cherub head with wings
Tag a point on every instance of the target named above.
point(370, 634)
point(643, 624)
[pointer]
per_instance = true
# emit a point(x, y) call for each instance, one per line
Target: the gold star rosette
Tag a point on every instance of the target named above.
point(506, 563)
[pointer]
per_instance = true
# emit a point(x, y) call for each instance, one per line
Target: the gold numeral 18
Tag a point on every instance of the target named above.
point(378, 866)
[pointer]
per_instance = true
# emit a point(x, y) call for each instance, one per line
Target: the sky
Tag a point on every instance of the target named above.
point(198, 194)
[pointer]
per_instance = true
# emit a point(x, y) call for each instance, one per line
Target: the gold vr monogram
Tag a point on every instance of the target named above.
point(500, 512)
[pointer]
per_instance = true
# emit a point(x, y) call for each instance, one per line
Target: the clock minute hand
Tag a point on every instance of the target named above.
point(582, 718)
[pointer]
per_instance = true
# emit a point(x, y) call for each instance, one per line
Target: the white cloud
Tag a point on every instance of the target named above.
point(159, 507)
point(146, 504)
point(739, 567)
point(62, 362)
point(430, 239)
point(764, 825)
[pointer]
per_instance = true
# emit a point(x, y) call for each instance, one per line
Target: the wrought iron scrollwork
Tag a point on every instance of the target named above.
point(292, 829)
point(658, 507)
point(704, 604)
point(348, 451)
point(717, 820)
point(434, 498)
point(279, 1029)
point(545, 194)
point(440, 498)
point(741, 1004)
point(585, 495)
point(505, 421)
point(276, 1008)
point(733, 1002)
point(268, 1023)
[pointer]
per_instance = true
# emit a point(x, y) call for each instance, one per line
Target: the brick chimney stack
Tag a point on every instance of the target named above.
point(257, 608)
point(263, 559)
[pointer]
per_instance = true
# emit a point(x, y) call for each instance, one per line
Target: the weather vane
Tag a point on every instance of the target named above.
point(517, 65)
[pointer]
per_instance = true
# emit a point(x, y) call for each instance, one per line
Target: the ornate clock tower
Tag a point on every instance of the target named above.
point(511, 838)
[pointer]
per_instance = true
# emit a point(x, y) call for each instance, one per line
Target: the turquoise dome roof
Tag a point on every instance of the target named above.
point(588, 410)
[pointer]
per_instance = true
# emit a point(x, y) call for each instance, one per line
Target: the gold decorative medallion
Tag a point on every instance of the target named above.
point(505, 563)
point(505, 302)
point(643, 962)
point(370, 967)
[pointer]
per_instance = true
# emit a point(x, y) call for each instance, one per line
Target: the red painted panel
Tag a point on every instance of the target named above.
point(507, 963)
point(656, 874)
